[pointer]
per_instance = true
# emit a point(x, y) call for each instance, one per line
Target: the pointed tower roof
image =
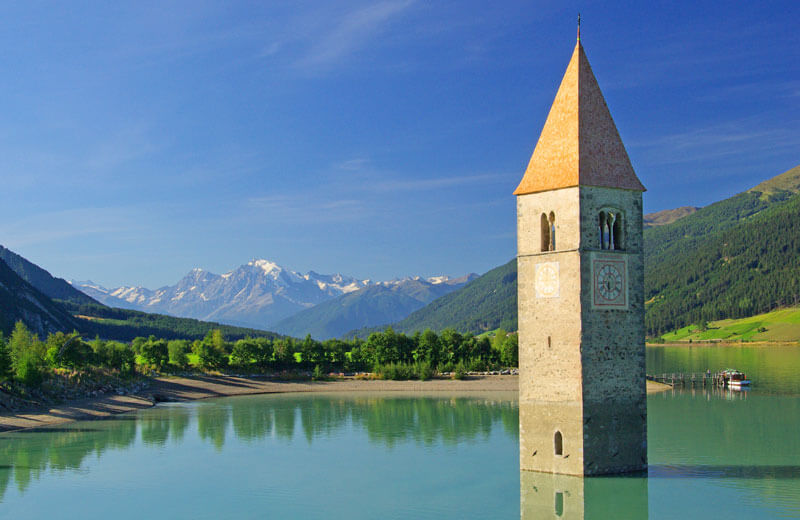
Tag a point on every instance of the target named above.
point(579, 144)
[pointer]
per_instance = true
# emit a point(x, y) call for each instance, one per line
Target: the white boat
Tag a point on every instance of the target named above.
point(734, 378)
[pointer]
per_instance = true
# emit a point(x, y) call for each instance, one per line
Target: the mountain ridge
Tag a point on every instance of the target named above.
point(258, 294)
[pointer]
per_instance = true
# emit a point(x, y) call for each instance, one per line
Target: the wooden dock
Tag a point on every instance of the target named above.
point(691, 379)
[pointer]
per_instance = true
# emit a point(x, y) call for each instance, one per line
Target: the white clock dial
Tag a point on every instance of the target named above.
point(547, 280)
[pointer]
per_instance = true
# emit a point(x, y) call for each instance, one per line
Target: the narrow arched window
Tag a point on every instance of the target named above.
point(559, 505)
point(619, 233)
point(552, 231)
point(558, 443)
point(610, 219)
point(601, 220)
point(611, 229)
point(545, 225)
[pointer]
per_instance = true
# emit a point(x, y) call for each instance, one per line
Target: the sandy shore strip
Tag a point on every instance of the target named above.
point(206, 386)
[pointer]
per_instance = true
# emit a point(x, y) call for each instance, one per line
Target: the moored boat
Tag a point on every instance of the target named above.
point(734, 378)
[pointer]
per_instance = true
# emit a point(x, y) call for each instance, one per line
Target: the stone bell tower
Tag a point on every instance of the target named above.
point(583, 408)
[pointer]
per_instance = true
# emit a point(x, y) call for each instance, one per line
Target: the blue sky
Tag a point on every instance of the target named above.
point(376, 139)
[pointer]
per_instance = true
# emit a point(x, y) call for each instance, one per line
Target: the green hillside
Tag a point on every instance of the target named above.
point(54, 288)
point(778, 325)
point(486, 303)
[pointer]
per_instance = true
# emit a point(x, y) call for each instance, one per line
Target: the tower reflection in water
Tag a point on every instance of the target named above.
point(547, 495)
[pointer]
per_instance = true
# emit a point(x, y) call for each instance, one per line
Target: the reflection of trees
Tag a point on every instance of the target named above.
point(387, 420)
point(161, 424)
point(212, 421)
point(27, 455)
point(250, 422)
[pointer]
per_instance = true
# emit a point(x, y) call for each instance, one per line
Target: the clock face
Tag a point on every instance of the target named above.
point(547, 280)
point(609, 281)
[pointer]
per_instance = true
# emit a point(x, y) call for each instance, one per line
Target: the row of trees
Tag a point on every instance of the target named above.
point(26, 358)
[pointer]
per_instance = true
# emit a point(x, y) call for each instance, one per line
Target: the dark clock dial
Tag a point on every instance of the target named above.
point(609, 282)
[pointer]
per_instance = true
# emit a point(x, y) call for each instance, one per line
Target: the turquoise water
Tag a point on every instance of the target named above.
point(712, 455)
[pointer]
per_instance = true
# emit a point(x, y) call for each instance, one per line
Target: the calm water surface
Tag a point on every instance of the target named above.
point(712, 455)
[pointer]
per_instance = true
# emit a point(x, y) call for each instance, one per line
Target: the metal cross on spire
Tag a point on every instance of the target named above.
point(579, 26)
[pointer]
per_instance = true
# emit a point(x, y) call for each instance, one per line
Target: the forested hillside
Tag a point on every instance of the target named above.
point(731, 259)
point(126, 324)
point(486, 303)
point(19, 300)
point(746, 269)
point(54, 288)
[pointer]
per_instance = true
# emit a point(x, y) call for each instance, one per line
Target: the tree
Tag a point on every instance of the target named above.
point(27, 355)
point(68, 351)
point(155, 352)
point(429, 348)
point(177, 349)
point(312, 351)
point(510, 352)
point(210, 352)
point(244, 352)
point(5, 359)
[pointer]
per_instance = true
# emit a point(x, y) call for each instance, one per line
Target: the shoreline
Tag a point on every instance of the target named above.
point(179, 389)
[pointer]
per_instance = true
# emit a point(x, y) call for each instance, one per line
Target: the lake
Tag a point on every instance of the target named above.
point(712, 454)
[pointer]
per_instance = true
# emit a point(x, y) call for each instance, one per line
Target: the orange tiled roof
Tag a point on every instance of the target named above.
point(579, 144)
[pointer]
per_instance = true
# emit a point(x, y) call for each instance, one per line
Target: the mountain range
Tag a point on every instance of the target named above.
point(375, 304)
point(261, 294)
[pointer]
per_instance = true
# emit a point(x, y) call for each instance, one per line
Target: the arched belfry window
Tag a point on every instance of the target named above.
point(611, 230)
point(558, 443)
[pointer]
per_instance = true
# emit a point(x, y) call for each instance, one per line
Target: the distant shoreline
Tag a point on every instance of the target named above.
point(720, 343)
point(165, 389)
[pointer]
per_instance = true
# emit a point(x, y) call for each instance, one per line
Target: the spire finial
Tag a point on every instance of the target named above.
point(579, 26)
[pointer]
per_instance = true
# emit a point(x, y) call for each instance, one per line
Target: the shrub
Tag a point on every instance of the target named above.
point(28, 371)
point(423, 370)
point(319, 374)
point(460, 371)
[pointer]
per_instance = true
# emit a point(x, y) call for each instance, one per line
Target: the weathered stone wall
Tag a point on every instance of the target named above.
point(582, 368)
point(612, 344)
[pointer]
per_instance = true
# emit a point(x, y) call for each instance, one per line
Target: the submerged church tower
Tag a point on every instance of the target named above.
point(583, 407)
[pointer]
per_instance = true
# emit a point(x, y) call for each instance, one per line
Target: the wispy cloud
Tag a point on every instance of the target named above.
point(70, 224)
point(430, 184)
point(303, 208)
point(744, 138)
point(350, 33)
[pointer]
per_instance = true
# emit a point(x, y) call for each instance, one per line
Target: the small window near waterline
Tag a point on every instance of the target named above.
point(558, 443)
point(559, 505)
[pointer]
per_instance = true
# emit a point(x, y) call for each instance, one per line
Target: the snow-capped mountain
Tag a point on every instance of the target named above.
point(257, 294)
